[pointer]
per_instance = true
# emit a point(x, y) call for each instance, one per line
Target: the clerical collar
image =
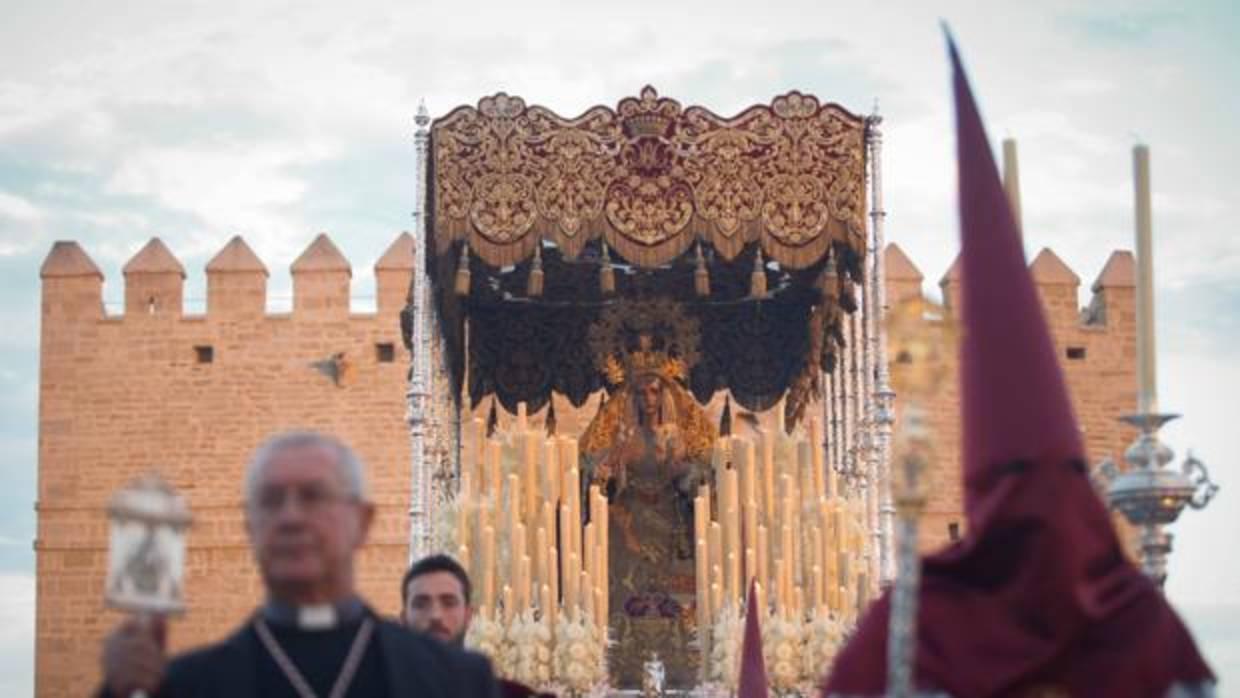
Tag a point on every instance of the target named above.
point(313, 617)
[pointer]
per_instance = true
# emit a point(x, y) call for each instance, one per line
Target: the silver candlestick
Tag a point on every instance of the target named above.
point(1151, 495)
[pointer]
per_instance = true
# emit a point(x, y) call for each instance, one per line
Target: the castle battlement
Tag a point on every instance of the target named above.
point(154, 281)
point(1081, 333)
point(1096, 346)
point(1057, 283)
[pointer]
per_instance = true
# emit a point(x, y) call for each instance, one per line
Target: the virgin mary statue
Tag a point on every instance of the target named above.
point(649, 449)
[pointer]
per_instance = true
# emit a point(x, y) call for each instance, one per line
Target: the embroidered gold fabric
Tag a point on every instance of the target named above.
point(650, 178)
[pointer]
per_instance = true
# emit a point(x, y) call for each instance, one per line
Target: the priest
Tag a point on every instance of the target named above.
point(1038, 598)
point(307, 514)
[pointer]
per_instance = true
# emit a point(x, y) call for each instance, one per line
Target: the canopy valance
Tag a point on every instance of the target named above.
point(649, 178)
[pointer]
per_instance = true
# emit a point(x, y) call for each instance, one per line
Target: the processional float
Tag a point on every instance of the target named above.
point(703, 294)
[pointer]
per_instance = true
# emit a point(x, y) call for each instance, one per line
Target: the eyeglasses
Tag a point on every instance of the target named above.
point(310, 498)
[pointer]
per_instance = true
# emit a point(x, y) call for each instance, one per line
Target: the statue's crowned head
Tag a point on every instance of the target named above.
point(644, 350)
point(643, 362)
point(647, 376)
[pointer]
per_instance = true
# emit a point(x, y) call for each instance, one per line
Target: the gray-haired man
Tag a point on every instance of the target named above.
point(307, 514)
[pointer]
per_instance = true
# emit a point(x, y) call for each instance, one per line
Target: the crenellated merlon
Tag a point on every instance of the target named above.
point(154, 281)
point(1103, 329)
point(1057, 284)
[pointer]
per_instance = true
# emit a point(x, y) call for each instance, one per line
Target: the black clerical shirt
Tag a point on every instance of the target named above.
point(397, 663)
point(320, 655)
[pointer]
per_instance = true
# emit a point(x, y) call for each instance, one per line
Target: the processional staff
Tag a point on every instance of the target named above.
point(918, 375)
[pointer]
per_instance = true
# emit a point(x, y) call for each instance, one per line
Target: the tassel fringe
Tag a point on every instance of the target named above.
point(462, 272)
point(535, 287)
point(757, 280)
point(701, 276)
point(606, 274)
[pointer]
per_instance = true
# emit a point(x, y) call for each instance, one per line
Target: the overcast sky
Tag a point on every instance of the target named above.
point(121, 121)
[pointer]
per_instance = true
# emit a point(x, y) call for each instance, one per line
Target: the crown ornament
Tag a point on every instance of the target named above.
point(649, 116)
point(644, 361)
point(653, 336)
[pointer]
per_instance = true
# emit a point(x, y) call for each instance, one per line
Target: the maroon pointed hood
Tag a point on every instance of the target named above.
point(1006, 349)
point(1038, 593)
point(752, 682)
point(1024, 462)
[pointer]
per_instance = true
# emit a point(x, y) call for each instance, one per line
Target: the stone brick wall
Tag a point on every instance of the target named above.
point(123, 395)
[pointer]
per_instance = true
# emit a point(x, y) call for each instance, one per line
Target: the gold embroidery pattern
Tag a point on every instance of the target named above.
point(503, 208)
point(650, 178)
point(571, 194)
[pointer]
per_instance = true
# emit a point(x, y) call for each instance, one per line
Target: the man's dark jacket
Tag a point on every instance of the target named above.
point(415, 664)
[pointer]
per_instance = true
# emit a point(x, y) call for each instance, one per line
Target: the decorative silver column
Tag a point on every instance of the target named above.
point(418, 394)
point(865, 424)
point(857, 406)
point(884, 396)
point(849, 405)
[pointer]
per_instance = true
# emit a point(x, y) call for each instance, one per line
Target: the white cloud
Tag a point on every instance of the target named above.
point(21, 224)
point(250, 187)
point(18, 209)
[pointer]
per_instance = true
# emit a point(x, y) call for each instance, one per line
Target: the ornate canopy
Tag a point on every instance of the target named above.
point(650, 178)
point(665, 196)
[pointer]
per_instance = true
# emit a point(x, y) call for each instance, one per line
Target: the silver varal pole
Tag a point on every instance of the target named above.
point(884, 396)
point(418, 395)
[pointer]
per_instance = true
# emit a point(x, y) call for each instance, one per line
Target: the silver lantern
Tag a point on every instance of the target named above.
point(146, 552)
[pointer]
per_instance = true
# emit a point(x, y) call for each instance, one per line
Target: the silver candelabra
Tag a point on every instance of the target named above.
point(1151, 495)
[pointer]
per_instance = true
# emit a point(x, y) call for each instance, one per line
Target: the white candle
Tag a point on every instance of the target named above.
point(531, 490)
point(523, 581)
point(815, 445)
point(764, 556)
point(540, 575)
point(488, 567)
point(551, 470)
point(1147, 380)
point(553, 564)
point(703, 586)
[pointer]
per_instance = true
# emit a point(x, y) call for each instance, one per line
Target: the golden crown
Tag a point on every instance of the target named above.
point(648, 116)
point(644, 361)
point(647, 125)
